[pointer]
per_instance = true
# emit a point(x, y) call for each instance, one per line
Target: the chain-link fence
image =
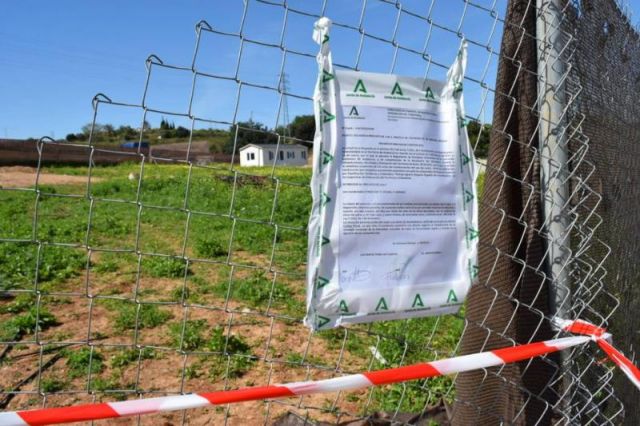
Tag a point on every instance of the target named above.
point(608, 116)
point(175, 275)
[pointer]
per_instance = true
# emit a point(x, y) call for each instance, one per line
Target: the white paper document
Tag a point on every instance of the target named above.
point(393, 230)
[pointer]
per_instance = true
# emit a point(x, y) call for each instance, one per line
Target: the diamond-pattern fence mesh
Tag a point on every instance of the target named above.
point(141, 272)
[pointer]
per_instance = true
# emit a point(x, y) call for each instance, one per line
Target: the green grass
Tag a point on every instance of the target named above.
point(165, 267)
point(109, 264)
point(413, 341)
point(403, 343)
point(257, 290)
point(52, 385)
point(235, 357)
point(109, 386)
point(131, 356)
point(232, 356)
point(56, 264)
point(130, 316)
point(83, 361)
point(182, 216)
point(33, 320)
point(207, 247)
point(188, 336)
point(22, 302)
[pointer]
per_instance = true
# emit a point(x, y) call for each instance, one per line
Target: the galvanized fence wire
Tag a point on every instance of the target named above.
point(550, 172)
point(257, 57)
point(608, 114)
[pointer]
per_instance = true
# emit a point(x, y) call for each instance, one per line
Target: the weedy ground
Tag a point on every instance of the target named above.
point(154, 279)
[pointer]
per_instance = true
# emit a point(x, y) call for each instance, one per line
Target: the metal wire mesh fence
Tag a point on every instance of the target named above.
point(174, 275)
point(608, 119)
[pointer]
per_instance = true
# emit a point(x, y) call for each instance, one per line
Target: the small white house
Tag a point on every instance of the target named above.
point(266, 154)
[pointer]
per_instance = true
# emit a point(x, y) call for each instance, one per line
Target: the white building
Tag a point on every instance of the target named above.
point(265, 155)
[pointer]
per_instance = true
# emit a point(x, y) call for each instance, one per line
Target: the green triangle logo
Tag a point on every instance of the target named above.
point(327, 116)
point(326, 157)
point(465, 159)
point(382, 305)
point(472, 234)
point(326, 76)
point(474, 271)
point(354, 111)
point(468, 196)
point(325, 240)
point(321, 282)
point(325, 199)
point(452, 297)
point(322, 321)
point(417, 302)
point(397, 90)
point(429, 94)
point(325, 39)
point(343, 307)
point(360, 87)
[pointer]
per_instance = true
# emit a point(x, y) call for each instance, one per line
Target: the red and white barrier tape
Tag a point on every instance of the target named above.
point(458, 364)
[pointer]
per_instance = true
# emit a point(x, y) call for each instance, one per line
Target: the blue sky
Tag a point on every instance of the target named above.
point(55, 56)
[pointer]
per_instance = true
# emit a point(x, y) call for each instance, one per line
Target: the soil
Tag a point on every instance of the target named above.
point(272, 341)
point(25, 177)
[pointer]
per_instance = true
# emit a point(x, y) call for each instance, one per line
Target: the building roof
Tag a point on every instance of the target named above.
point(274, 146)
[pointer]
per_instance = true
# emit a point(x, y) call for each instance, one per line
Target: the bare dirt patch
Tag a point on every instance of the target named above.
point(25, 177)
point(279, 348)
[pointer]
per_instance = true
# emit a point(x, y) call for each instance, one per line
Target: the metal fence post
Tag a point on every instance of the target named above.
point(553, 147)
point(553, 158)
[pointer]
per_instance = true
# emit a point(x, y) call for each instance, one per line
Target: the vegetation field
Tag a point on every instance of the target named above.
point(144, 280)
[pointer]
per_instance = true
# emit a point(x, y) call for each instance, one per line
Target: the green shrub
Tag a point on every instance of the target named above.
point(219, 342)
point(79, 362)
point(52, 384)
point(210, 248)
point(257, 290)
point(149, 316)
point(192, 337)
point(56, 264)
point(27, 323)
point(235, 355)
point(106, 264)
point(126, 357)
point(295, 358)
point(21, 303)
point(165, 267)
point(111, 384)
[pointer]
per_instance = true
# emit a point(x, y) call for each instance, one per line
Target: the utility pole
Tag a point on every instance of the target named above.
point(283, 87)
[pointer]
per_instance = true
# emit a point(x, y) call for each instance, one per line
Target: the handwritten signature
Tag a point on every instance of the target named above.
point(354, 276)
point(397, 275)
point(400, 273)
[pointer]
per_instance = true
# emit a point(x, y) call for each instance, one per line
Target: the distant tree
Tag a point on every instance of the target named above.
point(303, 127)
point(249, 132)
point(479, 136)
point(181, 132)
point(109, 129)
point(165, 125)
point(97, 128)
point(71, 137)
point(126, 132)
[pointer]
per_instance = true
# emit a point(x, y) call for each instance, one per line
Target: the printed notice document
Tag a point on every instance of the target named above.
point(393, 229)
